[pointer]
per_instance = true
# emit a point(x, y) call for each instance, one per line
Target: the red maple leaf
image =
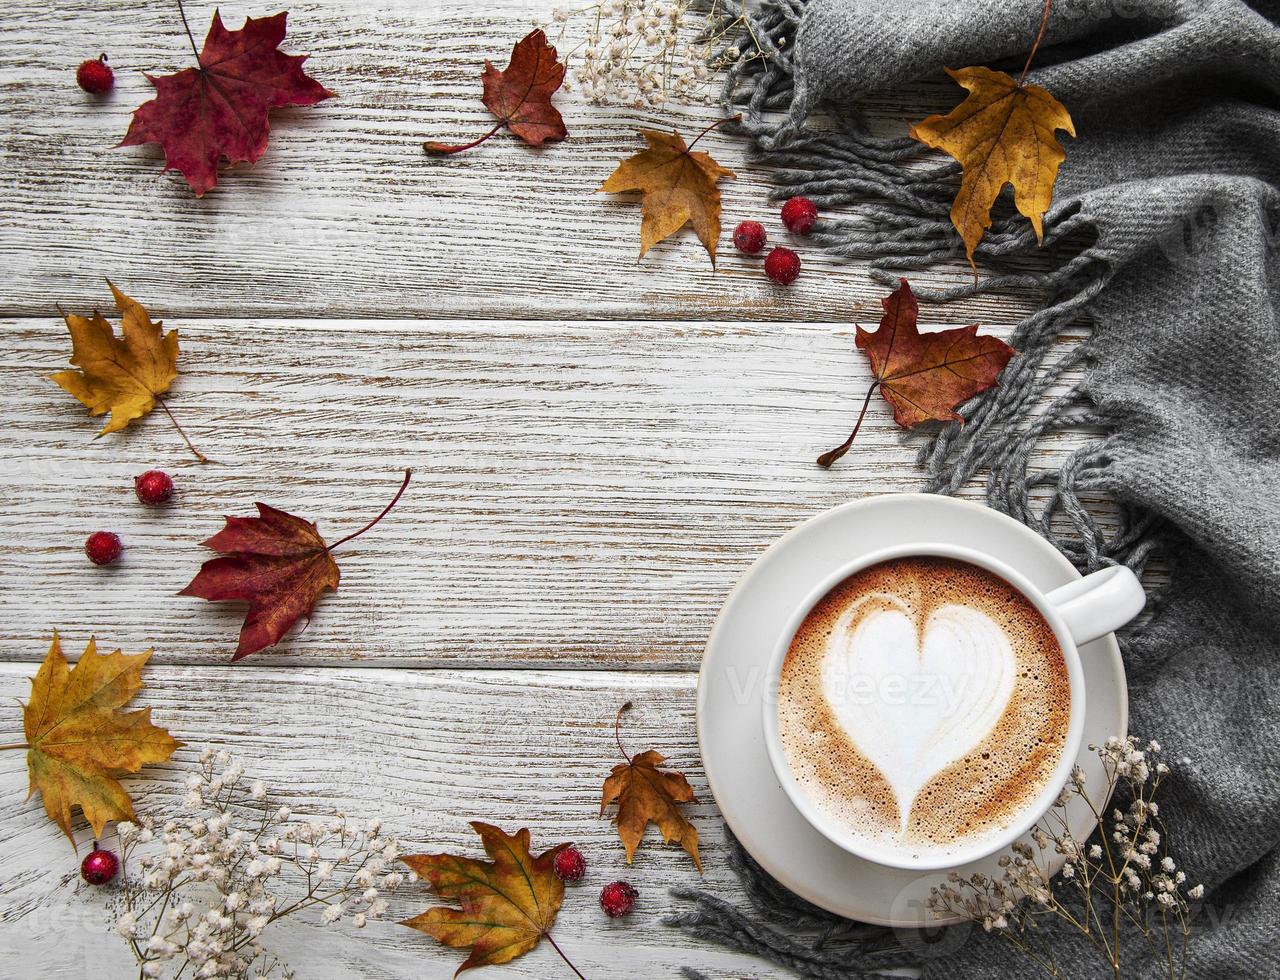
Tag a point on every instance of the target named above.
point(201, 115)
point(923, 376)
point(520, 95)
point(278, 564)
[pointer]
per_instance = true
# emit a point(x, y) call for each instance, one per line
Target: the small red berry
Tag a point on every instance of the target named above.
point(95, 76)
point(799, 214)
point(569, 865)
point(617, 899)
point(99, 867)
point(782, 266)
point(103, 547)
point(750, 237)
point(153, 487)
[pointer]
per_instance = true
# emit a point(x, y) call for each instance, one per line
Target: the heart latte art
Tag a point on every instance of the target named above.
point(923, 703)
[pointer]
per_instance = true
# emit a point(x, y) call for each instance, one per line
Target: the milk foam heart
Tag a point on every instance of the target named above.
point(915, 699)
point(923, 704)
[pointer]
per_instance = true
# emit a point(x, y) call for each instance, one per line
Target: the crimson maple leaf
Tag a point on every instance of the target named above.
point(276, 562)
point(201, 115)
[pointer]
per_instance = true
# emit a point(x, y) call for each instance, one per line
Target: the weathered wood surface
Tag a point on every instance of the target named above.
point(585, 494)
point(344, 215)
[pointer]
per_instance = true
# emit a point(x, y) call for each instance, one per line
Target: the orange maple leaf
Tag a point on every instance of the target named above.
point(646, 794)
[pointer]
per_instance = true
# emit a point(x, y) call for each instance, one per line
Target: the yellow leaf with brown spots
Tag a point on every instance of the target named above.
point(508, 903)
point(79, 742)
point(122, 375)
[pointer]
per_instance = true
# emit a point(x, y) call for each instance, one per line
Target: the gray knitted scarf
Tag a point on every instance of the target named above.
point(1162, 241)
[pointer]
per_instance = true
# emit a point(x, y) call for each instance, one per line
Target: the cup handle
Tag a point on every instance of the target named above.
point(1099, 603)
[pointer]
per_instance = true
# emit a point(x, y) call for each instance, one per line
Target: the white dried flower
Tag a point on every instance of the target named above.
point(234, 870)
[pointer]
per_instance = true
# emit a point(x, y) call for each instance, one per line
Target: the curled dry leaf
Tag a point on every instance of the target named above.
point(923, 376)
point(79, 742)
point(123, 375)
point(520, 96)
point(276, 562)
point(678, 188)
point(646, 794)
point(508, 903)
point(200, 115)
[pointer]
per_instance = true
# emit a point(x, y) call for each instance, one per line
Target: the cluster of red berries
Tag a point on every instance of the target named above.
point(153, 488)
point(782, 265)
point(616, 898)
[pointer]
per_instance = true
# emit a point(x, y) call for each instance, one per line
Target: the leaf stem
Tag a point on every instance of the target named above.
point(431, 146)
point(568, 961)
point(190, 445)
point(191, 38)
point(617, 735)
point(715, 125)
point(15, 745)
point(1035, 46)
point(829, 457)
point(385, 510)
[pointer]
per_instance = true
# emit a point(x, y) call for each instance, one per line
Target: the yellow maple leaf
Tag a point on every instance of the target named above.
point(77, 740)
point(1002, 133)
point(508, 904)
point(122, 375)
point(678, 188)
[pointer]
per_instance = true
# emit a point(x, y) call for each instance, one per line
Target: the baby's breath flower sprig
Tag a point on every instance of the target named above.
point(199, 890)
point(650, 52)
point(1125, 884)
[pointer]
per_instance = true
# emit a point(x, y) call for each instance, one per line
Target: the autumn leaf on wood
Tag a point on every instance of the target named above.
point(923, 376)
point(201, 115)
point(508, 903)
point(520, 95)
point(646, 794)
point(123, 375)
point(79, 742)
point(678, 188)
point(276, 562)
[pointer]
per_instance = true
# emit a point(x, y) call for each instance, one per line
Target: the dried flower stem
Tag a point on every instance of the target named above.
point(651, 52)
point(235, 854)
point(1125, 883)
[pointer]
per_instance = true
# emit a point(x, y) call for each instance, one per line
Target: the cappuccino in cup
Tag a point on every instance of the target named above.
point(924, 704)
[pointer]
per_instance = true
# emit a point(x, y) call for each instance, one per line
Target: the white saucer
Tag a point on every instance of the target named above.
point(732, 683)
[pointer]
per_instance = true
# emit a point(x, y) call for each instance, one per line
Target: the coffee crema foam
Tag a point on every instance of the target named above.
point(923, 705)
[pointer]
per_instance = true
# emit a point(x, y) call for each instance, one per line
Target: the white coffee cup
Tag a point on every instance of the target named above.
point(1079, 612)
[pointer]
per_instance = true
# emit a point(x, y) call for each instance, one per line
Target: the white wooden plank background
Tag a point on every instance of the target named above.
point(600, 450)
